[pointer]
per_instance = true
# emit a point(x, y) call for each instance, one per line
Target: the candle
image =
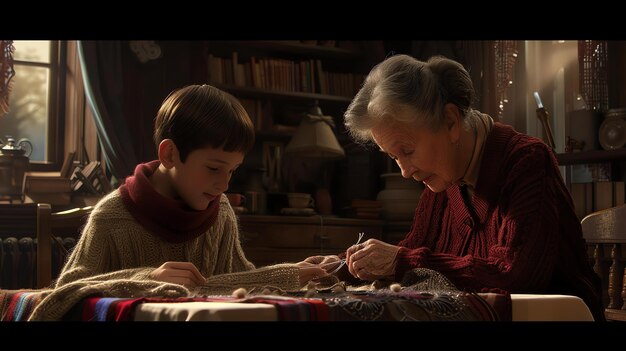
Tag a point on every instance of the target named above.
point(538, 99)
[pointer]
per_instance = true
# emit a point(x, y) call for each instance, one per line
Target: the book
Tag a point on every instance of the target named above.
point(582, 196)
point(51, 198)
point(619, 193)
point(66, 168)
point(46, 182)
point(603, 195)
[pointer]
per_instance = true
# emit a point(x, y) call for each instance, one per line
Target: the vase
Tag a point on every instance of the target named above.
point(323, 202)
point(399, 197)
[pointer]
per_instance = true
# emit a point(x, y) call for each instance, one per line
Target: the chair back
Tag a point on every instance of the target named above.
point(59, 232)
point(605, 233)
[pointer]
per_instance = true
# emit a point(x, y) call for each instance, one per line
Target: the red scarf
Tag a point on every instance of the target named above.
point(171, 220)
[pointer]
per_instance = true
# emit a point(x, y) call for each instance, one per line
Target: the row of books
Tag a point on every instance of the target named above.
point(596, 196)
point(282, 75)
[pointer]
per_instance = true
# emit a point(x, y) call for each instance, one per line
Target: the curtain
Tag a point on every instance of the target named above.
point(6, 74)
point(101, 64)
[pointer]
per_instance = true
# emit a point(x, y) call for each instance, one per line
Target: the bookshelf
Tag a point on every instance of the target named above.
point(277, 82)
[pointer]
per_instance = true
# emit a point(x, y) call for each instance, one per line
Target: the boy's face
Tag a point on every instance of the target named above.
point(204, 176)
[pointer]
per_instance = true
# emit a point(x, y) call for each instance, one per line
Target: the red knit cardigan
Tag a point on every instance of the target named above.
point(521, 233)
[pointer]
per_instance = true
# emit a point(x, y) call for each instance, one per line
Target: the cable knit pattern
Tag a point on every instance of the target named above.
point(115, 249)
point(520, 234)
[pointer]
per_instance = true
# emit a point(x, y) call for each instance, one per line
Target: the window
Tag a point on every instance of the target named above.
point(34, 105)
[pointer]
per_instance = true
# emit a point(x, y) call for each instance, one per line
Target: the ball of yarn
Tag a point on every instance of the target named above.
point(311, 285)
point(337, 288)
point(240, 293)
point(395, 287)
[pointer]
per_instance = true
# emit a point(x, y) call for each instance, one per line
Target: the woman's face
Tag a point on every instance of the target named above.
point(422, 154)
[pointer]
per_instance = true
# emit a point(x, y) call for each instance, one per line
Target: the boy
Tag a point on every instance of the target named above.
point(170, 221)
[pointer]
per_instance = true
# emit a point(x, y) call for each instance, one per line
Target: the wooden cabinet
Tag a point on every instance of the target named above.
point(275, 239)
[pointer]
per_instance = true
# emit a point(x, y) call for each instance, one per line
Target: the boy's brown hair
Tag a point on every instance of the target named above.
point(198, 116)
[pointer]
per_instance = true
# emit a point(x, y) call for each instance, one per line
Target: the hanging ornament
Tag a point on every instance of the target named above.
point(505, 55)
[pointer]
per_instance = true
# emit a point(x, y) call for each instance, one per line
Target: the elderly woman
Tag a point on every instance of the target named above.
point(495, 212)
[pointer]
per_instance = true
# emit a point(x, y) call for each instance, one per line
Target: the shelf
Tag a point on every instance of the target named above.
point(593, 156)
point(295, 47)
point(265, 93)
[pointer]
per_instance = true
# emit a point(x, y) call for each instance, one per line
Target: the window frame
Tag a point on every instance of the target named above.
point(55, 146)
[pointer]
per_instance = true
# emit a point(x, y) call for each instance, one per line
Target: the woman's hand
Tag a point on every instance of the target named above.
point(183, 273)
point(372, 259)
point(309, 271)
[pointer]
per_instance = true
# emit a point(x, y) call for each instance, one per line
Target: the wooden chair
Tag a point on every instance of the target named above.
point(605, 233)
point(51, 229)
point(36, 226)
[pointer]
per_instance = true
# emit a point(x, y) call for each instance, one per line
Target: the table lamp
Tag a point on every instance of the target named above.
point(315, 139)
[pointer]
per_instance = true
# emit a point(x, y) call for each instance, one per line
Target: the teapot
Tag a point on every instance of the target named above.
point(22, 147)
point(14, 164)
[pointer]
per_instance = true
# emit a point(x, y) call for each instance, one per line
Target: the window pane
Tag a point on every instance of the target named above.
point(28, 109)
point(32, 50)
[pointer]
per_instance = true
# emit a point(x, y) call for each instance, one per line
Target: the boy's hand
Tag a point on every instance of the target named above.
point(328, 263)
point(309, 271)
point(183, 273)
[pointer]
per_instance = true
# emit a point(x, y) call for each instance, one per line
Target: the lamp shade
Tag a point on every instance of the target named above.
point(315, 138)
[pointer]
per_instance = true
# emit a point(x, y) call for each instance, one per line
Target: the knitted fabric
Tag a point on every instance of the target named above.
point(115, 250)
point(520, 232)
point(60, 300)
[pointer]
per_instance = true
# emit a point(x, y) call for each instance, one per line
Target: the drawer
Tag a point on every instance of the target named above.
point(304, 236)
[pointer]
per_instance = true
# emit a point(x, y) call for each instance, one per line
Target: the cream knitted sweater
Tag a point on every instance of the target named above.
point(116, 255)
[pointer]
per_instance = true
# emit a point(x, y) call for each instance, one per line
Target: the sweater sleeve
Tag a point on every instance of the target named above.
point(523, 253)
point(97, 252)
point(94, 255)
point(230, 249)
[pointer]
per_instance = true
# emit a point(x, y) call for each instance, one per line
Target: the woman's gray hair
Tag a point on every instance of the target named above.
point(402, 82)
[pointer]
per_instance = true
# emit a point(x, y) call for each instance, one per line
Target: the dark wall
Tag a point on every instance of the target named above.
point(146, 85)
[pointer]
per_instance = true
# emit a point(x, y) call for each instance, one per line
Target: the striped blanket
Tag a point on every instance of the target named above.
point(383, 305)
point(17, 305)
point(425, 295)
